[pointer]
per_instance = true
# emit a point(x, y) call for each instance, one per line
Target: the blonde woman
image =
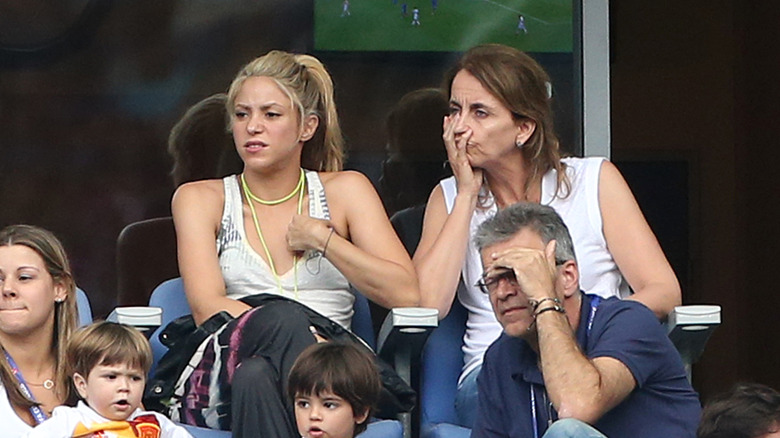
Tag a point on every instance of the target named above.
point(291, 224)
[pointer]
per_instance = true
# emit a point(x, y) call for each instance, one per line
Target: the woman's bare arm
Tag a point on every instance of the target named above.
point(363, 246)
point(439, 256)
point(442, 250)
point(634, 246)
point(197, 211)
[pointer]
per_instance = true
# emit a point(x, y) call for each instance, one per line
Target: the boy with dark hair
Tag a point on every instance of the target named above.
point(749, 410)
point(108, 363)
point(334, 388)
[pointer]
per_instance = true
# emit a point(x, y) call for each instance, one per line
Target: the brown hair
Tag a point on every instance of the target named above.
point(415, 149)
point(107, 343)
point(200, 143)
point(343, 369)
point(310, 88)
point(49, 248)
point(523, 87)
point(748, 410)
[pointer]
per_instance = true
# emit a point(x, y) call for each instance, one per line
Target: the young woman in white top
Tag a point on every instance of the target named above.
point(502, 149)
point(304, 234)
point(37, 316)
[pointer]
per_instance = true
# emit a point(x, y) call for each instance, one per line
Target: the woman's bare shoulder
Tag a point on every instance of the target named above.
point(342, 177)
point(206, 187)
point(345, 182)
point(207, 197)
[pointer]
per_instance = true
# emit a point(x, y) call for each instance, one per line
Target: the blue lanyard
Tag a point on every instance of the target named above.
point(35, 410)
point(533, 411)
point(594, 304)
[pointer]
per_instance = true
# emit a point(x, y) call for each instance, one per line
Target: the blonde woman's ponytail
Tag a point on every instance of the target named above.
point(330, 157)
point(310, 88)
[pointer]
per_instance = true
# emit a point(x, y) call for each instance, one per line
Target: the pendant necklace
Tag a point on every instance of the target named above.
point(47, 384)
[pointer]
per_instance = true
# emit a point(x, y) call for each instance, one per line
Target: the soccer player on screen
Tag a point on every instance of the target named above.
point(521, 25)
point(345, 9)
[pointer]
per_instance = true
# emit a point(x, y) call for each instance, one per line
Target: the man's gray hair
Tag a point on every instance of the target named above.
point(540, 218)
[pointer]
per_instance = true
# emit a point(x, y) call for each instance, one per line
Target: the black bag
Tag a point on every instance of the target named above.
point(182, 338)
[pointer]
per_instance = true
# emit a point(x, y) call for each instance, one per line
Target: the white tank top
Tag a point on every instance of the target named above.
point(321, 286)
point(580, 211)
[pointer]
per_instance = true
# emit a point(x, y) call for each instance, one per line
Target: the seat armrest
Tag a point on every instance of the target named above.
point(689, 327)
point(401, 339)
point(405, 330)
point(145, 318)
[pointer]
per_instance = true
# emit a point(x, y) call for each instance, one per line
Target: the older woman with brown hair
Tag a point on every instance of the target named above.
point(37, 316)
point(503, 149)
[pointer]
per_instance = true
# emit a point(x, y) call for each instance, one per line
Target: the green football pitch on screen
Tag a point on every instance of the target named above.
point(442, 25)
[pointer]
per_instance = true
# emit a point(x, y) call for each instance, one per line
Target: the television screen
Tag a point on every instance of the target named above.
point(442, 25)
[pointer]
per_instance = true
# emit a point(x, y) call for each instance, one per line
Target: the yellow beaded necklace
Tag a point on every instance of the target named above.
point(251, 197)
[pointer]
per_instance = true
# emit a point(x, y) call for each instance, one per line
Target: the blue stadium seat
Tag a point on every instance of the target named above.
point(442, 360)
point(85, 310)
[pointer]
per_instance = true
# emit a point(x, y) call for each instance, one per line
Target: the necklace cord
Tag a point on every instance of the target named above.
point(251, 197)
point(260, 200)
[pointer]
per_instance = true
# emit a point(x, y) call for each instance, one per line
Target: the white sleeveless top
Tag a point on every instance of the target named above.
point(321, 286)
point(13, 426)
point(580, 211)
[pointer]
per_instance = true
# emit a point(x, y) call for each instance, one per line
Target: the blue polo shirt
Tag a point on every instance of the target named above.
point(663, 403)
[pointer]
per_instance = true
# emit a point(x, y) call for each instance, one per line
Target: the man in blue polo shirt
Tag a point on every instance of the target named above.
point(570, 364)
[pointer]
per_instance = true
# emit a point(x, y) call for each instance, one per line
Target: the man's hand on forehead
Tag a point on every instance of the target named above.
point(534, 269)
